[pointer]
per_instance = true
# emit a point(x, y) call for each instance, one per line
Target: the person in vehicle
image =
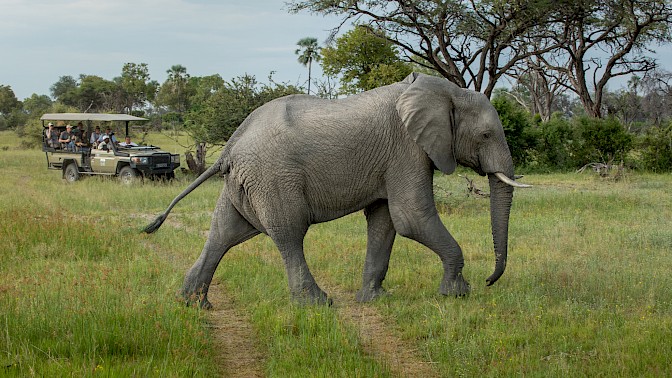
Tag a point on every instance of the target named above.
point(95, 135)
point(127, 142)
point(66, 139)
point(110, 134)
point(51, 135)
point(105, 144)
point(80, 140)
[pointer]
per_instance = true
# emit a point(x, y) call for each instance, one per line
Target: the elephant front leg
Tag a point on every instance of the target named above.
point(429, 231)
point(380, 238)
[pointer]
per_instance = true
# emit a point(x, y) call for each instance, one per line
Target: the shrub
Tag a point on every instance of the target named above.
point(601, 140)
point(518, 129)
point(554, 146)
point(655, 148)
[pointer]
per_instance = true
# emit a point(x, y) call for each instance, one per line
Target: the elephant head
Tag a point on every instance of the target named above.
point(457, 126)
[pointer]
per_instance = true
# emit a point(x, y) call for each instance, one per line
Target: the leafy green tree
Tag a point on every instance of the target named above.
point(94, 94)
point(223, 111)
point(36, 105)
point(213, 121)
point(364, 61)
point(174, 93)
point(11, 109)
point(8, 100)
point(134, 82)
point(64, 90)
point(308, 51)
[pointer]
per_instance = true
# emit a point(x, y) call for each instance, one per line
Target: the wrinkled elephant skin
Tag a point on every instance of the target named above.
point(301, 160)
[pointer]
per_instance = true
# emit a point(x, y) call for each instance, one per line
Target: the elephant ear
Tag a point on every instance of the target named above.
point(426, 110)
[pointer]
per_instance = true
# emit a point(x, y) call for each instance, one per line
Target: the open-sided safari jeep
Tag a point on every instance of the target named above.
point(129, 163)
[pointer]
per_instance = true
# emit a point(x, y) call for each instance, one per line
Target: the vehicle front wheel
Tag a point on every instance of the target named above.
point(71, 173)
point(128, 175)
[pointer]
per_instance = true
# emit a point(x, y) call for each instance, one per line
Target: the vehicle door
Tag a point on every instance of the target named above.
point(103, 161)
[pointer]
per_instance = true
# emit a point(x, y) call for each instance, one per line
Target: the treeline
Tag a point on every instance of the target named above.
point(565, 143)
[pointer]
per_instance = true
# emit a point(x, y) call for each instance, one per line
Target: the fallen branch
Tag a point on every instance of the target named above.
point(472, 189)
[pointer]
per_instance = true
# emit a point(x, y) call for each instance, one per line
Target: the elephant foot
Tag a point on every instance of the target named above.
point(369, 294)
point(200, 299)
point(312, 295)
point(458, 287)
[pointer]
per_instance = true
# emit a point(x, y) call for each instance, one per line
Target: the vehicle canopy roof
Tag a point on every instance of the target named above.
point(90, 117)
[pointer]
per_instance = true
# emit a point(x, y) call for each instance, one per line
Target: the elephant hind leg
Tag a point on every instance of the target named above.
point(302, 286)
point(380, 238)
point(228, 228)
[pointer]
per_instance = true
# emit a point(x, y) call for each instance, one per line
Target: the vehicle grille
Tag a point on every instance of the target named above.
point(160, 159)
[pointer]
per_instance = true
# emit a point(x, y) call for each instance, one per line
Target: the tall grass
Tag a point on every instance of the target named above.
point(586, 291)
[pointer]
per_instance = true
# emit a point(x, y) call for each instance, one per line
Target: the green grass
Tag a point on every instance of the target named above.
point(586, 291)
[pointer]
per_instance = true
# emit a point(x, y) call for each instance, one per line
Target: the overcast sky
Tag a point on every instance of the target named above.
point(42, 40)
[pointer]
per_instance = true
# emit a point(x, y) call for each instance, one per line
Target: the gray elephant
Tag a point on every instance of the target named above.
point(301, 160)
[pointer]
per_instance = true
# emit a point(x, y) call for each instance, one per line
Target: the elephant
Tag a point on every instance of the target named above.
point(301, 160)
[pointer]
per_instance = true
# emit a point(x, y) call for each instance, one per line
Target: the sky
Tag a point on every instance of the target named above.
point(42, 40)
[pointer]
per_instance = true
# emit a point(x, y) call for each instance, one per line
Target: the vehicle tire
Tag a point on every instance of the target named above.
point(128, 175)
point(71, 173)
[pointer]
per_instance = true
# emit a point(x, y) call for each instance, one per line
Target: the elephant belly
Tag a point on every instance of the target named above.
point(275, 196)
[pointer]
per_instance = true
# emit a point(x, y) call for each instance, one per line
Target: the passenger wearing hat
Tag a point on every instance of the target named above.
point(66, 139)
point(105, 144)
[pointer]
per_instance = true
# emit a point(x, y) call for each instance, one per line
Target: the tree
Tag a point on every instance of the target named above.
point(134, 82)
point(36, 105)
point(95, 94)
point(364, 61)
point(308, 52)
point(540, 89)
point(8, 100)
point(470, 43)
point(587, 30)
point(215, 120)
point(64, 90)
point(174, 92)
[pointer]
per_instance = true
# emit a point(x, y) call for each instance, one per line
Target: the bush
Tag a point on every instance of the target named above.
point(518, 129)
point(655, 148)
point(563, 145)
point(601, 140)
point(554, 146)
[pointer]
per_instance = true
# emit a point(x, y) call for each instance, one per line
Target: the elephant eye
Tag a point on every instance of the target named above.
point(486, 135)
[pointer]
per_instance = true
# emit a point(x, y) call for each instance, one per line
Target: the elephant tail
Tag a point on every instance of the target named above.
point(220, 165)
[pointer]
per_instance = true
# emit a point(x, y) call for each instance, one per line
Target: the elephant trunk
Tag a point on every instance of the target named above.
point(501, 195)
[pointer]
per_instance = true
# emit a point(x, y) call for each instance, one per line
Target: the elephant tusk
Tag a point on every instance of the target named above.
point(502, 177)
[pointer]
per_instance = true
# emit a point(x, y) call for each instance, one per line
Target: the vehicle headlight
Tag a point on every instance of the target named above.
point(140, 160)
point(175, 158)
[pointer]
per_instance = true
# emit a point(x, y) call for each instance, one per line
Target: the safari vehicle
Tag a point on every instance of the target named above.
point(130, 164)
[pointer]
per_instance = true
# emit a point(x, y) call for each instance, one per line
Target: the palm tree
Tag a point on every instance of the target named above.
point(178, 77)
point(308, 51)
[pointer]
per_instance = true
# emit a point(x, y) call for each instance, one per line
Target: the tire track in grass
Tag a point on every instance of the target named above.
point(233, 338)
point(379, 340)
